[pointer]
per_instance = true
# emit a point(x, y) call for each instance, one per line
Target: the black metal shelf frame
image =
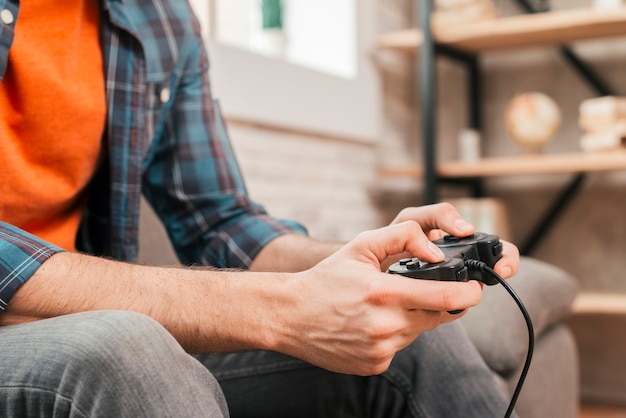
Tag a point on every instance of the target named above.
point(427, 93)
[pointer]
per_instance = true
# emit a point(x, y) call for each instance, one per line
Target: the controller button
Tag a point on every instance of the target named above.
point(451, 238)
point(405, 261)
point(414, 264)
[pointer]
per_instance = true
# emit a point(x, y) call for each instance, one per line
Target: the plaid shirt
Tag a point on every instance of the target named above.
point(166, 139)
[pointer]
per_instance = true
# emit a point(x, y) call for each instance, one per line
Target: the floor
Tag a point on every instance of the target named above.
point(599, 411)
point(602, 366)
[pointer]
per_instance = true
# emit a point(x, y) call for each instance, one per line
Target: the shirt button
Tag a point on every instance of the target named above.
point(6, 16)
point(165, 95)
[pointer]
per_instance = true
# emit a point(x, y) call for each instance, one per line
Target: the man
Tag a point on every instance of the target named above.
point(103, 101)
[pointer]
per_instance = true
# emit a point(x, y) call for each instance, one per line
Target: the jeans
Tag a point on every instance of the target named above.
point(123, 364)
point(102, 364)
point(440, 375)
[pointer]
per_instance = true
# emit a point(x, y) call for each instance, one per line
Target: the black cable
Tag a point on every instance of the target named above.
point(476, 265)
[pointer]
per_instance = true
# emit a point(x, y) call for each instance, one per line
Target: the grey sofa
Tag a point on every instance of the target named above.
point(498, 330)
point(495, 326)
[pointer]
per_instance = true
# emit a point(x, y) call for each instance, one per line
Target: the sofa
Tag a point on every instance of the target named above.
point(496, 327)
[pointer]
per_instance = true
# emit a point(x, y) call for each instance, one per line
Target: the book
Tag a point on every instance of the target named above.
point(602, 112)
point(603, 140)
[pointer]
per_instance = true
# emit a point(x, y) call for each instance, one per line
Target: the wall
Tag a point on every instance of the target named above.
point(321, 181)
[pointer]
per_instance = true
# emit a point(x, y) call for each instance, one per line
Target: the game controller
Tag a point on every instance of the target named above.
point(478, 246)
point(450, 270)
point(467, 258)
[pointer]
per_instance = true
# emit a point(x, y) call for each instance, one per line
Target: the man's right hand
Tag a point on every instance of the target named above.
point(349, 317)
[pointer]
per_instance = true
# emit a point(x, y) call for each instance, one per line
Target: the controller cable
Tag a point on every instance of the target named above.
point(475, 265)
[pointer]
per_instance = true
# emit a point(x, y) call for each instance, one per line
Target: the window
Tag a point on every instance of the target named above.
point(318, 34)
point(303, 65)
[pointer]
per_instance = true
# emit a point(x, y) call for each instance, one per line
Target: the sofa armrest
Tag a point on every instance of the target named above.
point(496, 326)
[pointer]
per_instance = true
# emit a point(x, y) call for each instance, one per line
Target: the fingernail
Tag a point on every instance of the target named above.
point(436, 251)
point(506, 271)
point(463, 225)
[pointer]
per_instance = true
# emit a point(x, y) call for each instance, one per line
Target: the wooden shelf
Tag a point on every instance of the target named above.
point(556, 27)
point(600, 303)
point(577, 162)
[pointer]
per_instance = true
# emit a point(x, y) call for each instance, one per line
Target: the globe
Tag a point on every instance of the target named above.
point(532, 120)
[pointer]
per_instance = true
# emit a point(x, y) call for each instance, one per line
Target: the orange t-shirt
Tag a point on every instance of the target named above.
point(52, 113)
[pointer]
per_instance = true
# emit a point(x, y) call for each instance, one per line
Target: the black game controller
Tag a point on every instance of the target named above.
point(450, 270)
point(478, 246)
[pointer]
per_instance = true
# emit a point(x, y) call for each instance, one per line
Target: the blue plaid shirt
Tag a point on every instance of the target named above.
point(166, 139)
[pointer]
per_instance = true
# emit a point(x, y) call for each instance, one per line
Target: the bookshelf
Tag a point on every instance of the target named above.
point(466, 42)
point(600, 303)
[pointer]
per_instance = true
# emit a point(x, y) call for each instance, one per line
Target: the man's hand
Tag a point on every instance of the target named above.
point(349, 317)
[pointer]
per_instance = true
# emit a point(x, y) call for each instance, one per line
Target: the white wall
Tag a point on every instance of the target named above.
point(321, 182)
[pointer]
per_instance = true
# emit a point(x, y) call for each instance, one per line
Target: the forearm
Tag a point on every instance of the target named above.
point(293, 252)
point(205, 310)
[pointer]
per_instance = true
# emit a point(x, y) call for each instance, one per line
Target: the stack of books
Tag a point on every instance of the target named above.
point(450, 13)
point(603, 120)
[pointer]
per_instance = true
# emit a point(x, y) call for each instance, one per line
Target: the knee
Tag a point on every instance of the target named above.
point(121, 362)
point(118, 329)
point(104, 348)
point(114, 338)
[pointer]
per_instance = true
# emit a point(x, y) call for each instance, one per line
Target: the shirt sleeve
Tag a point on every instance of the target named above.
point(194, 183)
point(21, 254)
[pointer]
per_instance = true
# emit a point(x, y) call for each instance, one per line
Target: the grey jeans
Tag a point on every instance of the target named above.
point(122, 364)
point(440, 375)
point(102, 364)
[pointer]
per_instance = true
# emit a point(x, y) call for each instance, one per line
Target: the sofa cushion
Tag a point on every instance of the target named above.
point(496, 325)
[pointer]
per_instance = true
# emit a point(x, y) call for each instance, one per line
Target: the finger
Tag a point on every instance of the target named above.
point(407, 323)
point(421, 320)
point(441, 216)
point(435, 318)
point(396, 239)
point(509, 263)
point(428, 294)
point(435, 234)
